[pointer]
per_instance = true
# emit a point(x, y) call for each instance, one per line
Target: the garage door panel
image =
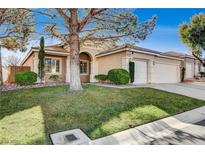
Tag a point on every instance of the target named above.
point(165, 73)
point(140, 72)
point(189, 73)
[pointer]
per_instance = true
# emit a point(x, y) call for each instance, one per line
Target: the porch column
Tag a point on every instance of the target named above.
point(150, 70)
point(125, 63)
point(93, 70)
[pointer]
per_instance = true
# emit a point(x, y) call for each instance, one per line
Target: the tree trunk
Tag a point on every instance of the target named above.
point(75, 83)
point(1, 73)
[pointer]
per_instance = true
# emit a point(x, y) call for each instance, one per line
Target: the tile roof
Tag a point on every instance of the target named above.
point(56, 48)
point(177, 54)
point(129, 47)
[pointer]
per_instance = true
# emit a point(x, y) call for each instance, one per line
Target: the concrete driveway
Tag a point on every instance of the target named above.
point(195, 91)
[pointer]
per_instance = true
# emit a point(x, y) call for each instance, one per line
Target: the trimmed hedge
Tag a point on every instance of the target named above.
point(119, 76)
point(182, 74)
point(101, 77)
point(132, 71)
point(202, 74)
point(26, 78)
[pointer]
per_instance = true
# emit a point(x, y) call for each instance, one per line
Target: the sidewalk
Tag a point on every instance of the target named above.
point(167, 128)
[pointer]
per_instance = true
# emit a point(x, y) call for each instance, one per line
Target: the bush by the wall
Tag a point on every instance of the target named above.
point(54, 78)
point(119, 76)
point(132, 71)
point(25, 78)
point(182, 74)
point(101, 77)
point(202, 74)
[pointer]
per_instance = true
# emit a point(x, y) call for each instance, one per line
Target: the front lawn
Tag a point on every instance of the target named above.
point(29, 116)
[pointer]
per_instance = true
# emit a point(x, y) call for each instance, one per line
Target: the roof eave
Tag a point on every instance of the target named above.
point(125, 48)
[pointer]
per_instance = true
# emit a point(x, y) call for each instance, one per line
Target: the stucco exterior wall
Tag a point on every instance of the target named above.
point(5, 73)
point(30, 62)
point(109, 62)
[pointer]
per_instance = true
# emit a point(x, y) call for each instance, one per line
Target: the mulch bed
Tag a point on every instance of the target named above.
point(9, 87)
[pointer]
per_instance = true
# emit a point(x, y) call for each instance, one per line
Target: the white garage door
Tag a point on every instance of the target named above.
point(189, 71)
point(140, 72)
point(165, 73)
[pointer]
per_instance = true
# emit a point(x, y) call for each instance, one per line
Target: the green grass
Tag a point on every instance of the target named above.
point(29, 116)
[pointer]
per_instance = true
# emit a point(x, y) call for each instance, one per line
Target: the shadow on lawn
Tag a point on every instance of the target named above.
point(62, 111)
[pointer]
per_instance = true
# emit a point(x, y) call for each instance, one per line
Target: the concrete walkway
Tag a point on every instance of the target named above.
point(121, 86)
point(195, 91)
point(184, 128)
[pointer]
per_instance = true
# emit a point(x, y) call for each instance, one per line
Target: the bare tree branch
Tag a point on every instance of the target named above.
point(63, 14)
point(201, 61)
point(92, 13)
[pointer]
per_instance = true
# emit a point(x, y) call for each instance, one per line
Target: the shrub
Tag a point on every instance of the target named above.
point(119, 76)
point(182, 74)
point(132, 71)
point(202, 74)
point(54, 78)
point(101, 77)
point(25, 78)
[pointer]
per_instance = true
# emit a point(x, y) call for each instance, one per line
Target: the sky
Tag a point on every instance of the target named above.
point(165, 36)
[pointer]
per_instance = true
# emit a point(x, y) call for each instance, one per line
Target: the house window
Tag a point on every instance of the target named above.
point(57, 66)
point(83, 67)
point(52, 65)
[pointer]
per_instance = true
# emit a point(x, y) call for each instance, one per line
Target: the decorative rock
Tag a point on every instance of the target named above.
point(9, 87)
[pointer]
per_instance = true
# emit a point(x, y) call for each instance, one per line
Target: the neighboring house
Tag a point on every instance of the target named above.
point(150, 66)
point(191, 64)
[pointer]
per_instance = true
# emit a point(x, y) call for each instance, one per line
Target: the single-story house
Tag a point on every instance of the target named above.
point(150, 66)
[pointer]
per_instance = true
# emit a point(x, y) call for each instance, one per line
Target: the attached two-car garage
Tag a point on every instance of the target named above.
point(156, 72)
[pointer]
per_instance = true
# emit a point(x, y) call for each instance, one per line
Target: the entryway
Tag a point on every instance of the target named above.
point(85, 67)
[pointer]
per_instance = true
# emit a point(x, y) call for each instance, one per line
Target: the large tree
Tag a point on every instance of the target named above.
point(15, 28)
point(76, 26)
point(193, 35)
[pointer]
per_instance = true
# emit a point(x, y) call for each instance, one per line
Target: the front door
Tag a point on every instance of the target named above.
point(84, 71)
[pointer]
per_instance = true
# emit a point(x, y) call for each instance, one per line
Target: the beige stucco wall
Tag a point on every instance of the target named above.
point(5, 73)
point(30, 62)
point(109, 62)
